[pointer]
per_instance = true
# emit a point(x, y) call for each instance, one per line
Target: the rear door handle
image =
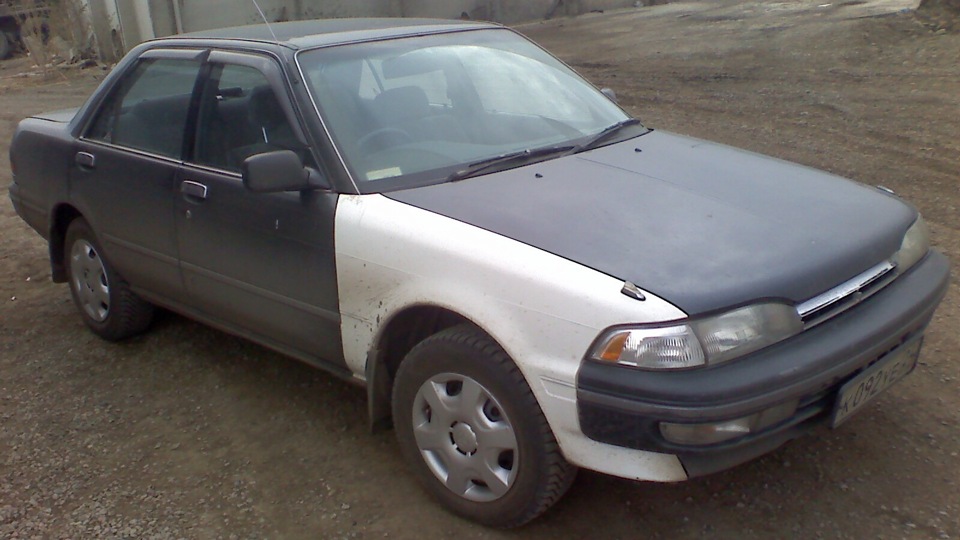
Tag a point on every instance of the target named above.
point(193, 189)
point(86, 160)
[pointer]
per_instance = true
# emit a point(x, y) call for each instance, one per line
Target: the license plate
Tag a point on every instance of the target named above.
point(874, 380)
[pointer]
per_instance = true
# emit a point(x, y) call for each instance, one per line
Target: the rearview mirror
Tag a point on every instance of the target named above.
point(278, 171)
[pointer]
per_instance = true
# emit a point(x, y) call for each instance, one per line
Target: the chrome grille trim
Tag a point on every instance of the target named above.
point(846, 295)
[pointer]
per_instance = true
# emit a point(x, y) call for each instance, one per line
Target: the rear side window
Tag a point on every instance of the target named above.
point(148, 110)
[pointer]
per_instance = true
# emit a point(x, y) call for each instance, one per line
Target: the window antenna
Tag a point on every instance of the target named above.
point(277, 41)
point(265, 21)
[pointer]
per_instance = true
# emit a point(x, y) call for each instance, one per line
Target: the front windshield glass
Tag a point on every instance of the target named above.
point(408, 112)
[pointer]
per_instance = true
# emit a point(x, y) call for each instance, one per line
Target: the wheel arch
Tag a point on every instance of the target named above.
point(397, 336)
point(61, 218)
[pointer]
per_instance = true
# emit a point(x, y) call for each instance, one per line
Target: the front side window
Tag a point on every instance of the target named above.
point(410, 111)
point(148, 109)
point(240, 116)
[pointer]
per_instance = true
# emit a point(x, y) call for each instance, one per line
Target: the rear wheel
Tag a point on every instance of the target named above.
point(106, 303)
point(473, 431)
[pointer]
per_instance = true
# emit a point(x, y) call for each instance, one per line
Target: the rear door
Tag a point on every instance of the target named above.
point(126, 164)
point(257, 264)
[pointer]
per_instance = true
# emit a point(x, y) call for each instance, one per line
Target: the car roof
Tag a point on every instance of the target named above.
point(321, 32)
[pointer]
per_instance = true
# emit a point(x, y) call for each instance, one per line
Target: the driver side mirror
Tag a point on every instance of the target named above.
point(278, 171)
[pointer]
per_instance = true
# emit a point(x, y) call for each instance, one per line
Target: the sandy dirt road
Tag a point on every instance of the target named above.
point(186, 432)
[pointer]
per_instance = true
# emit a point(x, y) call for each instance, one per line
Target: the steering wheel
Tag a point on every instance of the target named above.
point(381, 139)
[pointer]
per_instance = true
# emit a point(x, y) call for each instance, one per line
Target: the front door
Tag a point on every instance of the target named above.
point(260, 265)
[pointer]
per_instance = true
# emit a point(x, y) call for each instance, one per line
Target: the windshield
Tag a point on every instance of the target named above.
point(413, 111)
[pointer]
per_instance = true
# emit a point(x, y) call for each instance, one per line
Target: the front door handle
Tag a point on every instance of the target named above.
point(85, 160)
point(193, 189)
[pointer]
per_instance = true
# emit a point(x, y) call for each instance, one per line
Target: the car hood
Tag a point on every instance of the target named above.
point(699, 224)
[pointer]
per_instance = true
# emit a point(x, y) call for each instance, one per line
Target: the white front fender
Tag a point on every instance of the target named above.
point(544, 310)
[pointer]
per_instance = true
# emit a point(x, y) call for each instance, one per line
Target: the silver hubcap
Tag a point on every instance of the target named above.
point(465, 437)
point(89, 280)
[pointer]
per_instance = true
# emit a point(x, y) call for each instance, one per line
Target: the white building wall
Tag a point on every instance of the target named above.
point(144, 19)
point(139, 20)
point(105, 24)
point(206, 14)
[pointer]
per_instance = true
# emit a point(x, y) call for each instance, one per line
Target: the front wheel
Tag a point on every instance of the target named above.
point(105, 301)
point(471, 428)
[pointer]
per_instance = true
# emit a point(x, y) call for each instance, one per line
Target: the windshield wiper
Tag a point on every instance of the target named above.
point(505, 161)
point(608, 132)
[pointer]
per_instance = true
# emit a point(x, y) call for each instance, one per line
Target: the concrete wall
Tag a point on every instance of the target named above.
point(206, 14)
point(105, 22)
point(129, 22)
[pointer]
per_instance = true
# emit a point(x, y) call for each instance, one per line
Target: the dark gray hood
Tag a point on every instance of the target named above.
point(701, 225)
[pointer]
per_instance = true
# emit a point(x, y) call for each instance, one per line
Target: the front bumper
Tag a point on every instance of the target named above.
point(624, 406)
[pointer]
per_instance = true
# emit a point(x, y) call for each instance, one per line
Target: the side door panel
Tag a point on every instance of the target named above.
point(125, 167)
point(127, 198)
point(260, 264)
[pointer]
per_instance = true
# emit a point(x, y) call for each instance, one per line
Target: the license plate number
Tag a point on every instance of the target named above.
point(874, 380)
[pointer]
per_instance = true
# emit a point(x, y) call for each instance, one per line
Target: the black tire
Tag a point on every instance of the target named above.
point(103, 298)
point(532, 473)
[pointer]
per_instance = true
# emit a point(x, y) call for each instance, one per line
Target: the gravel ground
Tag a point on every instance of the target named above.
point(186, 432)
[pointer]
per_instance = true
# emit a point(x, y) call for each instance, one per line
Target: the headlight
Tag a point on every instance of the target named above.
point(673, 347)
point(916, 244)
point(709, 341)
point(745, 330)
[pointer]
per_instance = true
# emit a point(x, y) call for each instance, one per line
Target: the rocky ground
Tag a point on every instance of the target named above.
point(189, 433)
